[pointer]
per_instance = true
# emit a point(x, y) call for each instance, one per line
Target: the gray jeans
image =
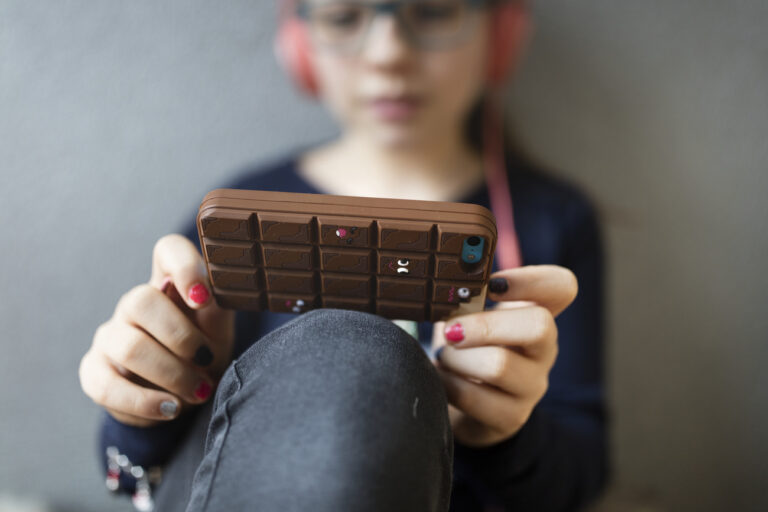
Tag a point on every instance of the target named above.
point(333, 411)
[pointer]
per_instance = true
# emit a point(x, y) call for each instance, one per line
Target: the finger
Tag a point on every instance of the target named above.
point(488, 405)
point(176, 257)
point(132, 349)
point(530, 330)
point(498, 367)
point(550, 286)
point(129, 419)
point(512, 304)
point(154, 312)
point(111, 390)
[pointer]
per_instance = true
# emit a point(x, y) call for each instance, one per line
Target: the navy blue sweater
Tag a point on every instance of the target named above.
point(558, 460)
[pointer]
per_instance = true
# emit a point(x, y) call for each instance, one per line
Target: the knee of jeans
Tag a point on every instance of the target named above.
point(362, 345)
point(343, 322)
point(359, 331)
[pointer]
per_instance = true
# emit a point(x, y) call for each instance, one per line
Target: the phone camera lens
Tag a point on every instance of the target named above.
point(473, 241)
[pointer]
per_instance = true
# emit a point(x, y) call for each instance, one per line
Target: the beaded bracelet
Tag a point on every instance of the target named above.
point(118, 464)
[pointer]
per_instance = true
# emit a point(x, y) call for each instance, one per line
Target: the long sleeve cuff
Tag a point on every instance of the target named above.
point(546, 466)
point(506, 461)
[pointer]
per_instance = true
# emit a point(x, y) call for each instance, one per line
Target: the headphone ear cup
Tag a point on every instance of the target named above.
point(292, 51)
point(508, 32)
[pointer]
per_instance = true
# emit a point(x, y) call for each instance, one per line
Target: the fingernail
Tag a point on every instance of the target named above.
point(169, 408)
point(203, 390)
point(165, 284)
point(439, 352)
point(454, 333)
point(198, 294)
point(498, 285)
point(203, 356)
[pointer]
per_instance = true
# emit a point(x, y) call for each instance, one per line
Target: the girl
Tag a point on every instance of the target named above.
point(342, 410)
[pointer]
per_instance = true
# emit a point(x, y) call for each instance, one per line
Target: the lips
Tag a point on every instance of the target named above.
point(394, 108)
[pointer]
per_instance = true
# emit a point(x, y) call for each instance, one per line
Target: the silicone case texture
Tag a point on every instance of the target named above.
point(290, 252)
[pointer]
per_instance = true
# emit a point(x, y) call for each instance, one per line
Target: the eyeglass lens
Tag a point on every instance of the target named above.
point(427, 23)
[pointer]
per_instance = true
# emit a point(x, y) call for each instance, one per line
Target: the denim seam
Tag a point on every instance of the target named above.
point(228, 422)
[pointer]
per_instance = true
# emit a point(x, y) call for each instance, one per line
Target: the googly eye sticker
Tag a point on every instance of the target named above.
point(463, 293)
point(402, 265)
point(297, 307)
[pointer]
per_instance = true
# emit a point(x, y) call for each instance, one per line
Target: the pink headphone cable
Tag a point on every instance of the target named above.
point(507, 245)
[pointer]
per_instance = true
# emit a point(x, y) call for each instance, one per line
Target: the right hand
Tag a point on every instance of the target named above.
point(148, 362)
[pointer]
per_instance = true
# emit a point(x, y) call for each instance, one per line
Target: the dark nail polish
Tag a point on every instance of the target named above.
point(203, 356)
point(438, 352)
point(498, 285)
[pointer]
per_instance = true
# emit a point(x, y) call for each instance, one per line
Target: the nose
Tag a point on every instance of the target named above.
point(386, 45)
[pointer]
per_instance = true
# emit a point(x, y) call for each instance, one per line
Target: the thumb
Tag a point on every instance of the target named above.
point(218, 325)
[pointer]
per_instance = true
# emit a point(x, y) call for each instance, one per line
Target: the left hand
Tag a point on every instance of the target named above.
point(497, 373)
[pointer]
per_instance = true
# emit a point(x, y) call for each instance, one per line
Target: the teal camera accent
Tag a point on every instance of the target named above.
point(472, 250)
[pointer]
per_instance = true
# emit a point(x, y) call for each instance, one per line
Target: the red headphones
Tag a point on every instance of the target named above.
point(292, 47)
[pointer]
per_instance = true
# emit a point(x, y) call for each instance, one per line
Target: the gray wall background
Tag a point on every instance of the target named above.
point(116, 117)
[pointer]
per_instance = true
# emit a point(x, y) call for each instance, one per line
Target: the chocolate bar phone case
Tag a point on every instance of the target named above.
point(401, 259)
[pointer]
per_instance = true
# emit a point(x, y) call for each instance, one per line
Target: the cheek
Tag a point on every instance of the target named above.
point(335, 78)
point(456, 92)
point(456, 79)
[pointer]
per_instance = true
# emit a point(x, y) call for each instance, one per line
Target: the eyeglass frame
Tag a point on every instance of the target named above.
point(391, 7)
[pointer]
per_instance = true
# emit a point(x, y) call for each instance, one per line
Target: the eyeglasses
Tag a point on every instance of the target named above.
point(427, 24)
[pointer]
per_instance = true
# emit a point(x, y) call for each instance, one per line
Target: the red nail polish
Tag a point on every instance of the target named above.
point(203, 390)
point(165, 284)
point(198, 294)
point(454, 333)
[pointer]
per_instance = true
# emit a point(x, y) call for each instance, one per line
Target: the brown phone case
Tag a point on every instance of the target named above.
point(401, 259)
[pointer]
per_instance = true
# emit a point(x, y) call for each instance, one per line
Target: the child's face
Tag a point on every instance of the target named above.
point(385, 86)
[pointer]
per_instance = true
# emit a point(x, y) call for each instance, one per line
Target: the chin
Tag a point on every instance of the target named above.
point(398, 136)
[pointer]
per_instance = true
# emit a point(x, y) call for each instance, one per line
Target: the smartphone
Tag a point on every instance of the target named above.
point(397, 258)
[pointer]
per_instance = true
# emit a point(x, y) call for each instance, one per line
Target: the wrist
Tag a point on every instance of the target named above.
point(475, 434)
